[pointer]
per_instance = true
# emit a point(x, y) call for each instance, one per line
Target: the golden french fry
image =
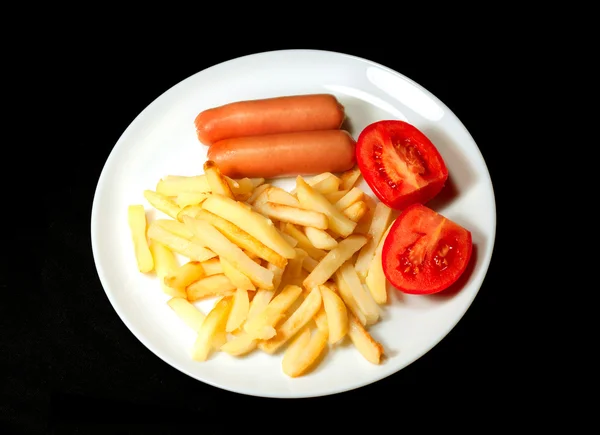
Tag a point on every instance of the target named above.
point(259, 302)
point(162, 203)
point(277, 275)
point(303, 242)
point(258, 191)
point(325, 183)
point(356, 211)
point(262, 326)
point(337, 314)
point(243, 186)
point(349, 178)
point(174, 226)
point(165, 262)
point(174, 185)
point(300, 317)
point(187, 312)
point(224, 248)
point(242, 238)
point(239, 310)
point(185, 274)
point(309, 263)
point(347, 274)
point(188, 248)
point(353, 195)
point(213, 324)
point(237, 278)
point(213, 285)
point(250, 221)
point(320, 239)
point(342, 288)
point(314, 200)
point(294, 350)
point(189, 210)
point(184, 199)
point(368, 347)
point(212, 266)
point(375, 280)
point(294, 267)
point(303, 360)
point(136, 218)
point(321, 319)
point(240, 344)
point(334, 197)
point(334, 260)
point(382, 216)
point(294, 215)
point(280, 196)
point(217, 181)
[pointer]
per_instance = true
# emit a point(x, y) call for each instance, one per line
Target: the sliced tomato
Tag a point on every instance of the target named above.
point(399, 163)
point(424, 251)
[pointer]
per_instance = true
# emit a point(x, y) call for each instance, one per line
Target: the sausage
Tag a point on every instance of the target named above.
point(269, 115)
point(284, 154)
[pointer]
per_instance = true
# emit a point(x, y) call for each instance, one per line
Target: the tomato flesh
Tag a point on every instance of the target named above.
point(399, 163)
point(424, 251)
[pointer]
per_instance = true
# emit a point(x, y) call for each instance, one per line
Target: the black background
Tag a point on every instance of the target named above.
point(70, 365)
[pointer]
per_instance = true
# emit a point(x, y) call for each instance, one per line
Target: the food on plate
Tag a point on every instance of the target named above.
point(136, 217)
point(279, 264)
point(425, 252)
point(400, 163)
point(280, 114)
point(284, 154)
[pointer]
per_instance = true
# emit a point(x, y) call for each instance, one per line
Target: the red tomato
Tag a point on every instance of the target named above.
point(399, 163)
point(424, 251)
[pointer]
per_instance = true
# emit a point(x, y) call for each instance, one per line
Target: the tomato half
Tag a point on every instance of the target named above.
point(399, 163)
point(424, 251)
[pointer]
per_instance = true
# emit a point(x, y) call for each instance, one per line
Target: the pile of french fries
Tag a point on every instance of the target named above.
point(290, 273)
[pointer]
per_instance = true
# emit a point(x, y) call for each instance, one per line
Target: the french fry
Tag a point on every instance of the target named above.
point(334, 260)
point(165, 262)
point(223, 247)
point(189, 210)
point(213, 324)
point(260, 301)
point(319, 238)
point(334, 197)
point(213, 285)
point(321, 320)
point(302, 360)
point(336, 312)
point(243, 186)
point(212, 266)
point(237, 278)
point(379, 224)
point(376, 281)
point(369, 348)
point(345, 293)
point(242, 238)
point(300, 317)
point(349, 178)
point(162, 203)
point(277, 275)
point(184, 199)
point(136, 218)
point(280, 196)
point(174, 185)
point(294, 267)
point(187, 312)
point(356, 211)
point(258, 191)
point(241, 344)
point(294, 215)
point(303, 242)
point(262, 326)
point(239, 310)
point(294, 350)
point(187, 248)
point(185, 274)
point(353, 195)
point(313, 200)
point(252, 222)
point(347, 275)
point(325, 183)
point(217, 181)
point(174, 226)
point(309, 263)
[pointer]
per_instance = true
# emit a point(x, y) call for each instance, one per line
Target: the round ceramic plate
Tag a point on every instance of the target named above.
point(162, 141)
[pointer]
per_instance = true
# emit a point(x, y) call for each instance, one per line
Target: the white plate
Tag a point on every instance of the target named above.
point(162, 141)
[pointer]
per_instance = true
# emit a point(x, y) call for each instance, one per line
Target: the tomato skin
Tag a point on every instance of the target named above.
point(400, 163)
point(424, 251)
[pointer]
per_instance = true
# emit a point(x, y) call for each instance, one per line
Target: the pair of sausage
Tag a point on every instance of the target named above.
point(277, 137)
